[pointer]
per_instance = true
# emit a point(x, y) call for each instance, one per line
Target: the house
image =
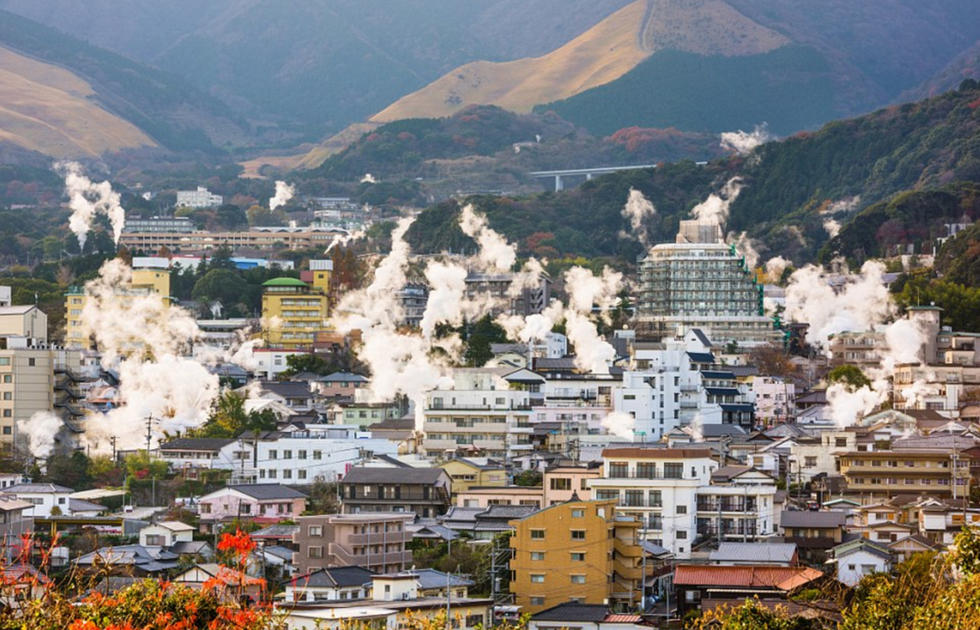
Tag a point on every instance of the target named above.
point(81, 507)
point(768, 553)
point(340, 384)
point(696, 582)
point(575, 616)
point(13, 524)
point(131, 560)
point(48, 499)
point(479, 496)
point(467, 472)
point(562, 481)
point(813, 530)
point(484, 523)
point(12, 479)
point(166, 534)
point(263, 503)
point(884, 532)
point(905, 548)
point(330, 584)
point(190, 454)
point(375, 541)
point(858, 558)
point(278, 534)
point(424, 491)
point(298, 397)
point(229, 582)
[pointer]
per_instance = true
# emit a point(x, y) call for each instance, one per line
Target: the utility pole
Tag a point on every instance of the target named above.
point(112, 441)
point(449, 623)
point(149, 434)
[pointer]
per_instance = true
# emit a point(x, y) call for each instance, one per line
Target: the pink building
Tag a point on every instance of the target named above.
point(263, 503)
point(561, 482)
point(775, 399)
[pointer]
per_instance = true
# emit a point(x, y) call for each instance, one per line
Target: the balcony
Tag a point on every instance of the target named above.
point(727, 506)
point(626, 549)
point(346, 558)
point(378, 538)
point(617, 474)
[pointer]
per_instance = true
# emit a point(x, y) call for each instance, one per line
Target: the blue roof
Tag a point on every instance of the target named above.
point(737, 407)
point(701, 357)
point(719, 374)
point(721, 391)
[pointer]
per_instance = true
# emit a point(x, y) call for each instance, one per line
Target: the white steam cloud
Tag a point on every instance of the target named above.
point(284, 192)
point(715, 208)
point(368, 179)
point(41, 429)
point(88, 199)
point(637, 210)
point(496, 254)
point(619, 424)
point(832, 227)
point(743, 142)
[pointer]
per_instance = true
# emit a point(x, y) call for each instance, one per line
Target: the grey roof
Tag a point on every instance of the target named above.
point(335, 577)
point(190, 547)
point(287, 389)
point(196, 444)
point(130, 555)
point(573, 612)
point(80, 505)
point(861, 544)
point(703, 338)
point(344, 377)
point(362, 474)
point(431, 531)
point(430, 578)
point(654, 549)
point(265, 491)
point(758, 553)
point(459, 514)
point(275, 531)
point(719, 430)
point(279, 551)
point(507, 511)
point(35, 488)
point(807, 518)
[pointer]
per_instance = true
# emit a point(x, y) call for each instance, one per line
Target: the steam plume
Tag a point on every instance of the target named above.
point(284, 192)
point(41, 429)
point(714, 209)
point(87, 199)
point(743, 142)
point(637, 210)
point(619, 424)
point(496, 254)
point(368, 179)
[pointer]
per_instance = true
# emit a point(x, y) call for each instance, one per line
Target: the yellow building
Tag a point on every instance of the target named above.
point(876, 475)
point(143, 282)
point(293, 312)
point(577, 551)
point(473, 472)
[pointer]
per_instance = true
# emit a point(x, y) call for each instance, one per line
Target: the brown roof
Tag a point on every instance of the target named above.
point(783, 578)
point(659, 453)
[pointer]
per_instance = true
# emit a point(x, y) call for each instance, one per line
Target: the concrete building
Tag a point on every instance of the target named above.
point(469, 472)
point(526, 301)
point(293, 312)
point(249, 240)
point(159, 224)
point(658, 486)
point(580, 551)
point(374, 541)
point(876, 475)
point(700, 282)
point(738, 505)
point(200, 198)
point(487, 496)
point(773, 398)
point(561, 483)
point(26, 321)
point(424, 491)
point(144, 282)
point(487, 410)
point(265, 503)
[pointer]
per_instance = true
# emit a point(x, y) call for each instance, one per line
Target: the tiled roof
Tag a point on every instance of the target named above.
point(783, 578)
point(334, 577)
point(801, 518)
point(573, 612)
point(363, 474)
point(196, 444)
point(267, 491)
point(753, 552)
point(36, 488)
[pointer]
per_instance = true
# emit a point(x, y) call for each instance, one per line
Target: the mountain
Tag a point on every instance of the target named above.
point(311, 67)
point(791, 191)
point(49, 110)
point(74, 93)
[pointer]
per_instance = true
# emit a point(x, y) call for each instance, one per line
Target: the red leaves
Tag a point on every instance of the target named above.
point(240, 543)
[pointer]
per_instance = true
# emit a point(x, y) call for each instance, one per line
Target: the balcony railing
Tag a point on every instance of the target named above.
point(347, 558)
point(727, 506)
point(616, 474)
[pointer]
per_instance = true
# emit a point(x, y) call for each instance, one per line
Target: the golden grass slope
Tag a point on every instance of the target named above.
point(598, 56)
point(50, 110)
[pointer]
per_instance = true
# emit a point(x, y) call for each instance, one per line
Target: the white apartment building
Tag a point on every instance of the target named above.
point(47, 498)
point(738, 505)
point(200, 198)
point(486, 409)
point(319, 452)
point(676, 383)
point(659, 486)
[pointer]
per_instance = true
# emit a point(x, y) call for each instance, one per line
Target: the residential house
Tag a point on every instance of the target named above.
point(485, 523)
point(330, 584)
point(858, 558)
point(562, 481)
point(905, 548)
point(340, 384)
point(230, 584)
point(48, 499)
point(296, 396)
point(580, 551)
point(501, 495)
point(264, 503)
point(424, 491)
point(739, 503)
point(189, 454)
point(467, 472)
point(166, 534)
point(813, 532)
point(14, 523)
point(875, 475)
point(696, 583)
point(372, 540)
point(767, 553)
point(131, 560)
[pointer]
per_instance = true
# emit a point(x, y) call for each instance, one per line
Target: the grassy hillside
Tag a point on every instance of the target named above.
point(47, 109)
point(166, 108)
point(790, 88)
point(791, 188)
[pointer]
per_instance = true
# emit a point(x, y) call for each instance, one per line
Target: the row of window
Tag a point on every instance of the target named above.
point(272, 473)
point(574, 556)
point(538, 578)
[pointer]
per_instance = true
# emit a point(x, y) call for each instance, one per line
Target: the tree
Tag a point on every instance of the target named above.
point(771, 360)
point(104, 471)
point(229, 419)
point(140, 465)
point(70, 470)
point(849, 375)
point(480, 335)
point(219, 285)
point(528, 478)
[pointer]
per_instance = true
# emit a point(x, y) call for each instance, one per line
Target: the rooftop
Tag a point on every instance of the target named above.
point(782, 578)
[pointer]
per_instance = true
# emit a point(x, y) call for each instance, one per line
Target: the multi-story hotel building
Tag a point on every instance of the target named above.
point(293, 312)
point(876, 475)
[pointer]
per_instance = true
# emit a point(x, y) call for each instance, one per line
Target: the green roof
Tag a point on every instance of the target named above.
point(284, 282)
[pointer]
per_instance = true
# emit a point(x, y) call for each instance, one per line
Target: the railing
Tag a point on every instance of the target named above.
point(615, 474)
point(346, 558)
point(378, 538)
point(727, 506)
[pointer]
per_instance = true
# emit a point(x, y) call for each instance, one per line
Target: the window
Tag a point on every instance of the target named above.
point(618, 470)
point(673, 471)
point(315, 552)
point(578, 534)
point(316, 530)
point(8, 395)
point(681, 534)
point(537, 534)
point(317, 454)
point(537, 578)
point(840, 442)
point(8, 378)
point(31, 362)
point(301, 474)
point(301, 454)
point(272, 473)
point(682, 509)
point(537, 601)
point(578, 556)
point(6, 431)
point(810, 461)
point(4, 360)
point(578, 579)
point(287, 454)
point(537, 555)
point(154, 540)
point(561, 483)
point(287, 474)
point(578, 513)
point(273, 454)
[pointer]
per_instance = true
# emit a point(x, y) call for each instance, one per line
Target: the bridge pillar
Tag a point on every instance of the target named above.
point(559, 184)
point(588, 177)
